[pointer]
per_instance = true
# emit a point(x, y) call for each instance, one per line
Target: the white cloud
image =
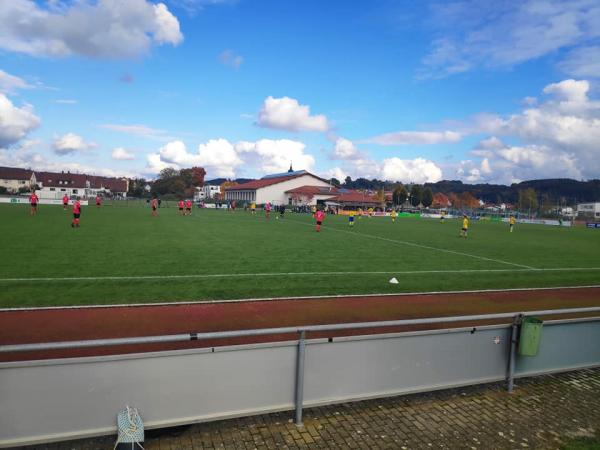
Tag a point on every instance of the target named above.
point(231, 59)
point(344, 149)
point(582, 62)
point(71, 143)
point(336, 173)
point(217, 156)
point(286, 113)
point(194, 6)
point(15, 122)
point(513, 163)
point(10, 83)
point(137, 130)
point(415, 138)
point(418, 170)
point(472, 33)
point(557, 137)
point(106, 28)
point(120, 154)
point(221, 158)
point(569, 90)
point(358, 164)
point(273, 156)
point(24, 156)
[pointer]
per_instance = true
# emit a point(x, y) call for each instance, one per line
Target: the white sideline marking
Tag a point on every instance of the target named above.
point(306, 297)
point(419, 245)
point(286, 274)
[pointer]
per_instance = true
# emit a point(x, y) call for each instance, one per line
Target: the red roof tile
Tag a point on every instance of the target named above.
point(264, 182)
point(313, 190)
point(13, 173)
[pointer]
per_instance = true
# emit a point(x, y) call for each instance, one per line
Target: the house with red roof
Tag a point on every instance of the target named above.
point(276, 188)
point(13, 179)
point(54, 185)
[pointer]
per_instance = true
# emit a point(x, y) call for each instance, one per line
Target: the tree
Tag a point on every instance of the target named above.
point(416, 195)
point(225, 185)
point(399, 195)
point(454, 200)
point(380, 196)
point(528, 199)
point(198, 174)
point(440, 200)
point(427, 198)
point(137, 187)
point(334, 182)
point(348, 182)
point(467, 200)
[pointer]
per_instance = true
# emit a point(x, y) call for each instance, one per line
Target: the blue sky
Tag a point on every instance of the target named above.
point(410, 91)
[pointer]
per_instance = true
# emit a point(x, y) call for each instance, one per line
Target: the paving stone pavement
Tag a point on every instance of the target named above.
point(542, 413)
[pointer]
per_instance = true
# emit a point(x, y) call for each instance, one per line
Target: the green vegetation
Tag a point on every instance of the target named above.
point(584, 443)
point(220, 255)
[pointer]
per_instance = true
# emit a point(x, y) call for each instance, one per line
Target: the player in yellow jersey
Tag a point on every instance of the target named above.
point(351, 215)
point(313, 210)
point(465, 226)
point(253, 208)
point(360, 213)
point(511, 222)
point(370, 211)
point(442, 216)
point(394, 214)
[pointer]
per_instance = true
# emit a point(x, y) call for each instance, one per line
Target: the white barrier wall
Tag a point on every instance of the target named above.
point(42, 201)
point(44, 401)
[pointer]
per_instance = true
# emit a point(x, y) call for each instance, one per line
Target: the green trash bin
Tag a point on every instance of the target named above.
point(531, 335)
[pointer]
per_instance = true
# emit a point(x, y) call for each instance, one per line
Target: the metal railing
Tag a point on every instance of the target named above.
point(301, 331)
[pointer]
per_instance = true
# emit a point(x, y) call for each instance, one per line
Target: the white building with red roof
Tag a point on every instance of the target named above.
point(276, 188)
point(13, 179)
point(54, 185)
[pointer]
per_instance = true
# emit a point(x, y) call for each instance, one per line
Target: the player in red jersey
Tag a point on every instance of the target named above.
point(181, 205)
point(33, 201)
point(268, 210)
point(188, 207)
point(98, 201)
point(319, 216)
point(154, 206)
point(76, 213)
point(65, 201)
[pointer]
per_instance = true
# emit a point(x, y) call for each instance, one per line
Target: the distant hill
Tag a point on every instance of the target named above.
point(556, 190)
point(562, 190)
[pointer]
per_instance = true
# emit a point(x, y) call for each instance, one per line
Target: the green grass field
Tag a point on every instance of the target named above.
point(123, 255)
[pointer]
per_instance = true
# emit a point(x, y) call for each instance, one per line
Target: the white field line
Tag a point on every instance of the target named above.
point(289, 274)
point(412, 244)
point(307, 297)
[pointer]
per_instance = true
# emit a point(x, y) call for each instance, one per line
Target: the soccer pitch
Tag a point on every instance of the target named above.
point(123, 255)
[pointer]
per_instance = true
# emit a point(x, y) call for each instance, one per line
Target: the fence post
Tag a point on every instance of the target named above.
point(300, 377)
point(513, 352)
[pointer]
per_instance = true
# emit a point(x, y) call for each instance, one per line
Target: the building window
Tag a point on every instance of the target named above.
point(52, 189)
point(74, 191)
point(63, 190)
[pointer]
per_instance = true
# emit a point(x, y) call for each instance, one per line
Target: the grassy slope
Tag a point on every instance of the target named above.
point(119, 241)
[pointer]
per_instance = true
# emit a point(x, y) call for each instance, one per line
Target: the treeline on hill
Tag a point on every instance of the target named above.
point(532, 194)
point(535, 192)
point(171, 183)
